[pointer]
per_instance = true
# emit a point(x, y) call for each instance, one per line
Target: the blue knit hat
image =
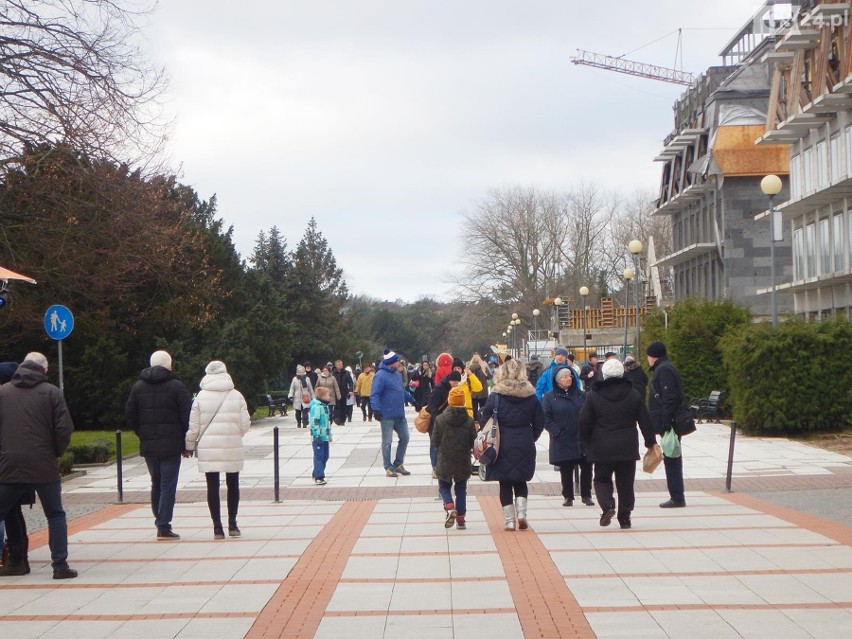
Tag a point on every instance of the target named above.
point(390, 357)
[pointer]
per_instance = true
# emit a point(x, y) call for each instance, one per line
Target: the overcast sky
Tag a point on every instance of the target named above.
point(386, 119)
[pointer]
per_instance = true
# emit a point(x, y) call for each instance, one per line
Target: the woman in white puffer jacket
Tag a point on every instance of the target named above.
point(217, 423)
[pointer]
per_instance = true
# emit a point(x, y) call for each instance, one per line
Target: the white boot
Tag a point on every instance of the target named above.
point(509, 516)
point(521, 507)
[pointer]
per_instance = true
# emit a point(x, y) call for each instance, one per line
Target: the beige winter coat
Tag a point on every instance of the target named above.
point(220, 448)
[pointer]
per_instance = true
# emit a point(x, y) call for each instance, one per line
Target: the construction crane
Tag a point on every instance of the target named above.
point(629, 67)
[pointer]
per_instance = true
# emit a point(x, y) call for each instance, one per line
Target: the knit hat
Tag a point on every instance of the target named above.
point(457, 363)
point(454, 376)
point(7, 370)
point(533, 358)
point(561, 351)
point(657, 349)
point(215, 368)
point(562, 372)
point(161, 358)
point(329, 366)
point(300, 370)
point(612, 368)
point(390, 357)
point(629, 359)
point(456, 396)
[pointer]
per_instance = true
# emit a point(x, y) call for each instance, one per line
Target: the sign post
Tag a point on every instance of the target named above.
point(58, 324)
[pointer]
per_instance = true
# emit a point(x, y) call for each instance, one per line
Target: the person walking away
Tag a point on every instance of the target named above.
point(561, 408)
point(218, 421)
point(347, 390)
point(7, 369)
point(665, 398)
point(438, 402)
point(321, 435)
point(326, 379)
point(424, 389)
point(387, 397)
point(350, 400)
point(158, 412)
point(453, 436)
point(301, 393)
point(534, 369)
point(545, 380)
point(35, 429)
point(363, 387)
point(608, 422)
point(443, 367)
point(480, 371)
point(311, 373)
point(591, 372)
point(521, 421)
point(634, 373)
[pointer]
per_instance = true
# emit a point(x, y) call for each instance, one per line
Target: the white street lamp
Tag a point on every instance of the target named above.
point(536, 313)
point(771, 186)
point(628, 275)
point(584, 290)
point(635, 247)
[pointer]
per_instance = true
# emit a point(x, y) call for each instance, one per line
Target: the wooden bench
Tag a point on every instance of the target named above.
point(708, 408)
point(279, 405)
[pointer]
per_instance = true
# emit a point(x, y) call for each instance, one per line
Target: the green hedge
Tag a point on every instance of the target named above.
point(692, 340)
point(796, 378)
point(66, 463)
point(96, 452)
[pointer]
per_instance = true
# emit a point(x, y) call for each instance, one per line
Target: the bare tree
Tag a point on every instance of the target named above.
point(70, 73)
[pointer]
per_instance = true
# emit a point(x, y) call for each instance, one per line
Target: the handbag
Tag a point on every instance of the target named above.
point(652, 459)
point(684, 422)
point(486, 446)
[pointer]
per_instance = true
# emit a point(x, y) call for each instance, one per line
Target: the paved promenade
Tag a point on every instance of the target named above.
point(368, 556)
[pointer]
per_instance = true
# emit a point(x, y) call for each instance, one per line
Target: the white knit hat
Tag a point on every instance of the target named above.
point(161, 358)
point(215, 368)
point(37, 358)
point(612, 368)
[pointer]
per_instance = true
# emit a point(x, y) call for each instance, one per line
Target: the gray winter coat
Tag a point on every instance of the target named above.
point(35, 427)
point(453, 434)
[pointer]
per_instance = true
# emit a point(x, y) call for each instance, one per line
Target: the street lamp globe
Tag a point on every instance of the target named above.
point(635, 247)
point(628, 273)
point(584, 290)
point(536, 312)
point(514, 316)
point(557, 301)
point(771, 185)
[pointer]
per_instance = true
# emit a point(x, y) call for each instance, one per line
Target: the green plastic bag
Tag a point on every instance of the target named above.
point(671, 444)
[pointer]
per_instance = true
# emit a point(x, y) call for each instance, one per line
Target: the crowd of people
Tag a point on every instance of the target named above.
point(594, 415)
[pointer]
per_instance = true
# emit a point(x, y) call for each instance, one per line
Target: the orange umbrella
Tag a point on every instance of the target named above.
point(6, 274)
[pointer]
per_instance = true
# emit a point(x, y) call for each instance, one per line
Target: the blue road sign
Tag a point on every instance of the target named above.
point(58, 322)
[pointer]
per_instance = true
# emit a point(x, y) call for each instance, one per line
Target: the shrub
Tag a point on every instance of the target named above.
point(793, 379)
point(692, 341)
point(96, 452)
point(66, 463)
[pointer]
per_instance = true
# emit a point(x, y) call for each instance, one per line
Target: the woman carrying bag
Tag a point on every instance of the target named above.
point(521, 422)
point(217, 423)
point(301, 393)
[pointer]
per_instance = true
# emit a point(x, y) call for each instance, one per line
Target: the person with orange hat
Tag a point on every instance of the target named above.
point(452, 435)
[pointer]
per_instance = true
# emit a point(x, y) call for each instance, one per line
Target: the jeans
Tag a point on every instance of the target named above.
point(320, 458)
point(389, 425)
point(510, 489)
point(232, 482)
point(50, 495)
point(444, 490)
point(625, 475)
point(164, 478)
point(674, 478)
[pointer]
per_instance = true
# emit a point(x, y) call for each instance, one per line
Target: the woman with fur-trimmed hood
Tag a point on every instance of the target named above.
point(521, 421)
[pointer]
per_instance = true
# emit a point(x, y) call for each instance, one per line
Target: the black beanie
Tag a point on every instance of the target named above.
point(457, 363)
point(657, 349)
point(454, 376)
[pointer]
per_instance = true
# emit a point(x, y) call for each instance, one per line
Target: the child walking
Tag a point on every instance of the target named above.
point(320, 432)
point(453, 435)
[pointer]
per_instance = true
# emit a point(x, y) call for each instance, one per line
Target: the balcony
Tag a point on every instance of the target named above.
point(682, 200)
point(685, 254)
point(817, 198)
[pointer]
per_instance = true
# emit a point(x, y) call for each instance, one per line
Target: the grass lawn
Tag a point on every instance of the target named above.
point(129, 440)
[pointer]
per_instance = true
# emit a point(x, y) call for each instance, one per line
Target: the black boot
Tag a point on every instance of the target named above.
point(17, 564)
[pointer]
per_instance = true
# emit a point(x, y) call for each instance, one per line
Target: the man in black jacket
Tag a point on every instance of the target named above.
point(158, 411)
point(347, 389)
point(35, 429)
point(664, 399)
point(591, 372)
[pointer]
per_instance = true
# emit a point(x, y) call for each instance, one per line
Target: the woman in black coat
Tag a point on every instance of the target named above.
point(608, 427)
point(562, 420)
point(521, 422)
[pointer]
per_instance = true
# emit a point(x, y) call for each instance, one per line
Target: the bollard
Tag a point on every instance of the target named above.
point(730, 472)
point(118, 467)
point(276, 462)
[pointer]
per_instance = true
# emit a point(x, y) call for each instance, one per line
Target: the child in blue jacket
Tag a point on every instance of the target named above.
point(320, 425)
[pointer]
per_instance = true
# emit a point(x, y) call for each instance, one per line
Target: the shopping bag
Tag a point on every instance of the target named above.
point(653, 457)
point(671, 444)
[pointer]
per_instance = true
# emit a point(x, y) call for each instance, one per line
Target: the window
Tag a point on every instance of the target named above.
point(822, 165)
point(837, 241)
point(795, 177)
point(834, 158)
point(848, 140)
point(810, 250)
point(799, 253)
point(824, 247)
point(807, 171)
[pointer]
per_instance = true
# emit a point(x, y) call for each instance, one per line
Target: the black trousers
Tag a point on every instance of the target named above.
point(232, 481)
point(511, 489)
point(566, 473)
point(625, 475)
point(477, 404)
point(366, 408)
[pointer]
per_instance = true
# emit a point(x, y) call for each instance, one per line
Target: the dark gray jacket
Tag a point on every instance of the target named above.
point(608, 422)
point(562, 420)
point(35, 427)
point(453, 434)
point(665, 395)
point(158, 410)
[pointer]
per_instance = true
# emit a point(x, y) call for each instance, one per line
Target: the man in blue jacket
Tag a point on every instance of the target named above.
point(387, 397)
point(545, 381)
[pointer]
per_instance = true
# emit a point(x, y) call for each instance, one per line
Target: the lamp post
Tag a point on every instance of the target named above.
point(536, 313)
point(635, 247)
point(628, 275)
point(519, 337)
point(584, 290)
point(771, 186)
